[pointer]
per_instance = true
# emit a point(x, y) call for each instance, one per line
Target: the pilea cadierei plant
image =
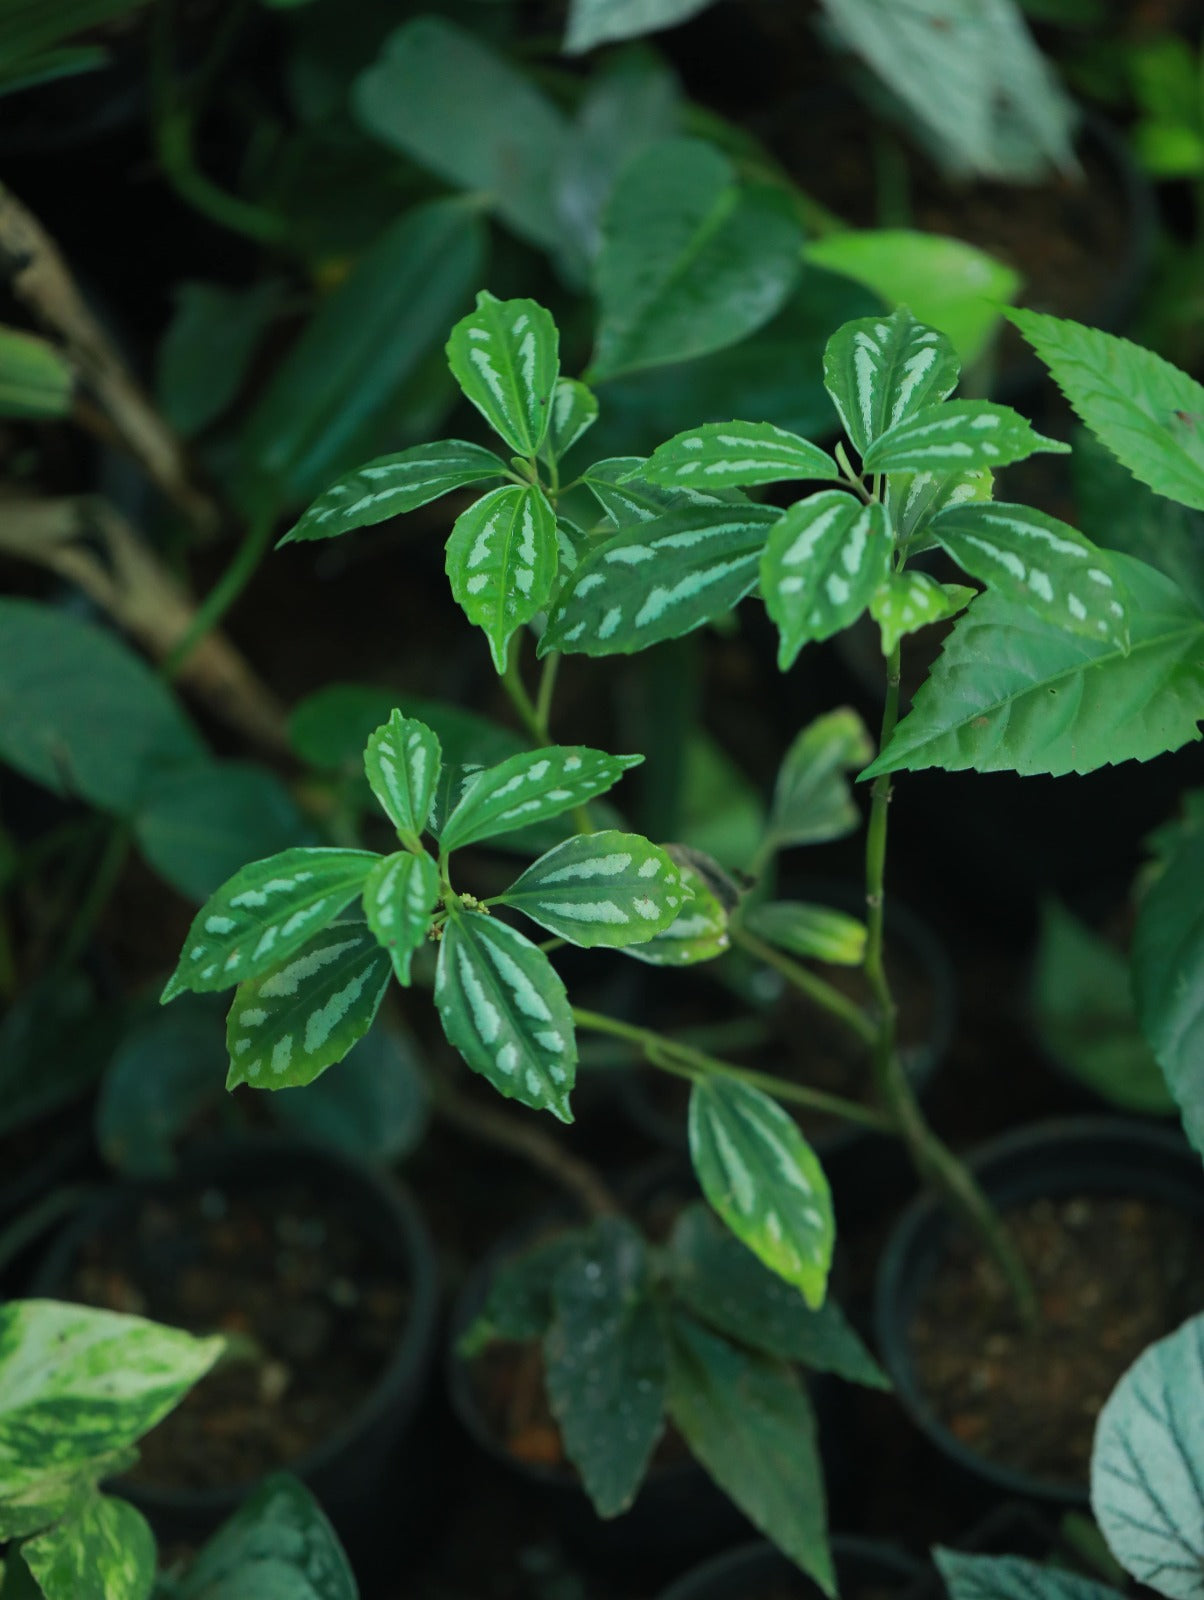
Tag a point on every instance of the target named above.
point(1070, 657)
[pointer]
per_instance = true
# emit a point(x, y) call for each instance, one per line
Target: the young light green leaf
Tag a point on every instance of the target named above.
point(881, 370)
point(699, 930)
point(277, 1544)
point(604, 888)
point(595, 22)
point(904, 602)
point(573, 411)
point(822, 563)
point(812, 801)
point(1012, 693)
point(504, 1008)
point(606, 1361)
point(505, 356)
point(814, 932)
point(265, 912)
point(957, 436)
point(392, 484)
point(913, 498)
point(400, 896)
point(762, 1177)
point(528, 788)
point(501, 562)
point(626, 495)
point(658, 580)
point(1147, 412)
point(287, 1027)
point(1044, 564)
point(972, 1577)
point(104, 1550)
point(402, 760)
point(732, 455)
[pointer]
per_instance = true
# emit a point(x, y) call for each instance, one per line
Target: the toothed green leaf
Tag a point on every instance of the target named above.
point(699, 930)
point(619, 486)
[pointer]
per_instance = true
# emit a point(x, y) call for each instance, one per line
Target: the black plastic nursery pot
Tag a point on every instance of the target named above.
point(1061, 1175)
point(319, 1212)
point(759, 1571)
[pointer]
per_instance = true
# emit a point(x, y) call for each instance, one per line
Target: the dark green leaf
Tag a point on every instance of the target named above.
point(604, 888)
point(732, 455)
point(36, 378)
point(505, 356)
point(528, 788)
point(812, 800)
point(277, 1546)
point(401, 760)
point(501, 562)
point(208, 348)
point(881, 370)
point(331, 727)
point(823, 562)
point(518, 1305)
point(54, 1042)
point(374, 1108)
point(626, 496)
point(400, 896)
point(970, 1577)
point(957, 436)
point(574, 410)
point(163, 1072)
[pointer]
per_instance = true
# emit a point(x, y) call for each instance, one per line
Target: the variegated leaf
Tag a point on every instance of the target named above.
point(814, 932)
point(907, 601)
point(658, 580)
point(501, 562)
point(291, 1024)
point(265, 912)
point(957, 436)
point(530, 788)
point(763, 1179)
point(823, 561)
point(392, 484)
point(402, 761)
point(912, 499)
point(699, 930)
point(812, 800)
point(733, 455)
point(504, 1008)
point(879, 370)
point(505, 356)
point(400, 896)
point(1045, 564)
point(103, 1550)
point(574, 410)
point(604, 888)
point(626, 495)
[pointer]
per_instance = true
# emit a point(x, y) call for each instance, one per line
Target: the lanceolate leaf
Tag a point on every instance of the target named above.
point(400, 895)
point(957, 436)
point(290, 1025)
point(264, 913)
point(392, 484)
point(402, 761)
point(530, 788)
point(504, 1008)
point(880, 370)
point(699, 930)
point(104, 1550)
point(731, 455)
point(824, 559)
point(907, 601)
point(762, 1177)
point(658, 580)
point(573, 411)
point(603, 888)
point(505, 357)
point(812, 800)
point(626, 495)
point(1044, 564)
point(501, 561)
point(814, 932)
point(1013, 693)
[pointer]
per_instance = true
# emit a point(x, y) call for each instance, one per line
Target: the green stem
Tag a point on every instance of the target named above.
point(224, 592)
point(108, 870)
point(814, 987)
point(519, 698)
point(547, 686)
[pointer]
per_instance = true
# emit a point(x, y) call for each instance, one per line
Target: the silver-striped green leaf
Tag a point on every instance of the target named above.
point(763, 1179)
point(1045, 564)
point(913, 498)
point(957, 436)
point(505, 356)
point(501, 562)
point(812, 800)
point(879, 370)
point(402, 761)
point(606, 888)
point(699, 930)
point(392, 484)
point(626, 495)
point(265, 912)
point(103, 1550)
point(400, 896)
point(823, 561)
point(658, 580)
point(288, 1026)
point(733, 455)
point(907, 601)
point(504, 1008)
point(530, 788)
point(974, 1577)
point(814, 932)
point(573, 411)
point(278, 1545)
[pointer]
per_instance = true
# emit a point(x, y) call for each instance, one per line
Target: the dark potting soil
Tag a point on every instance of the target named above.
point(319, 1306)
point(1111, 1276)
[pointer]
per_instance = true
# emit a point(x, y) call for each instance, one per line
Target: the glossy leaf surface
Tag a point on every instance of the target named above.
point(732, 455)
point(402, 760)
point(823, 561)
point(400, 896)
point(506, 358)
point(957, 436)
point(530, 788)
point(605, 888)
point(881, 370)
point(501, 562)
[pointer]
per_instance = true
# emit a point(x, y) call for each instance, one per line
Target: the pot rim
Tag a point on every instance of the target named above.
point(720, 1574)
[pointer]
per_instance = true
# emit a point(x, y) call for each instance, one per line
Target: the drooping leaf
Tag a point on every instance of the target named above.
point(762, 1177)
point(822, 563)
point(528, 788)
point(573, 411)
point(605, 888)
point(501, 562)
point(623, 492)
point(699, 930)
point(732, 455)
point(400, 896)
point(375, 1108)
point(814, 932)
point(265, 912)
point(881, 370)
point(518, 1305)
point(812, 800)
point(36, 378)
point(904, 602)
point(277, 1544)
point(206, 353)
point(289, 1025)
point(504, 1008)
point(104, 1550)
point(974, 1577)
point(957, 436)
point(595, 22)
point(506, 357)
point(402, 759)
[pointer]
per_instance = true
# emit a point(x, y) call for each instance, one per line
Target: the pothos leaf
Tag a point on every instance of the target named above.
point(528, 788)
point(904, 602)
point(823, 561)
point(505, 357)
point(879, 370)
point(102, 1550)
point(402, 762)
point(573, 411)
point(957, 436)
point(501, 562)
point(605, 888)
point(731, 455)
point(400, 896)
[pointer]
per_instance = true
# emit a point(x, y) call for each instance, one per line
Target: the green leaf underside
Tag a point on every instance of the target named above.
point(288, 1026)
point(501, 562)
point(732, 455)
point(573, 411)
point(530, 788)
point(504, 1008)
point(264, 913)
point(1045, 564)
point(277, 1544)
point(813, 932)
point(1011, 693)
point(659, 580)
point(812, 800)
point(402, 761)
point(518, 1305)
point(1147, 1465)
point(104, 1550)
point(881, 370)
point(606, 1361)
point(505, 357)
point(400, 896)
point(697, 933)
point(907, 601)
point(971, 1577)
point(762, 1177)
point(626, 495)
point(605, 888)
point(749, 1421)
point(957, 436)
point(823, 561)
point(391, 485)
